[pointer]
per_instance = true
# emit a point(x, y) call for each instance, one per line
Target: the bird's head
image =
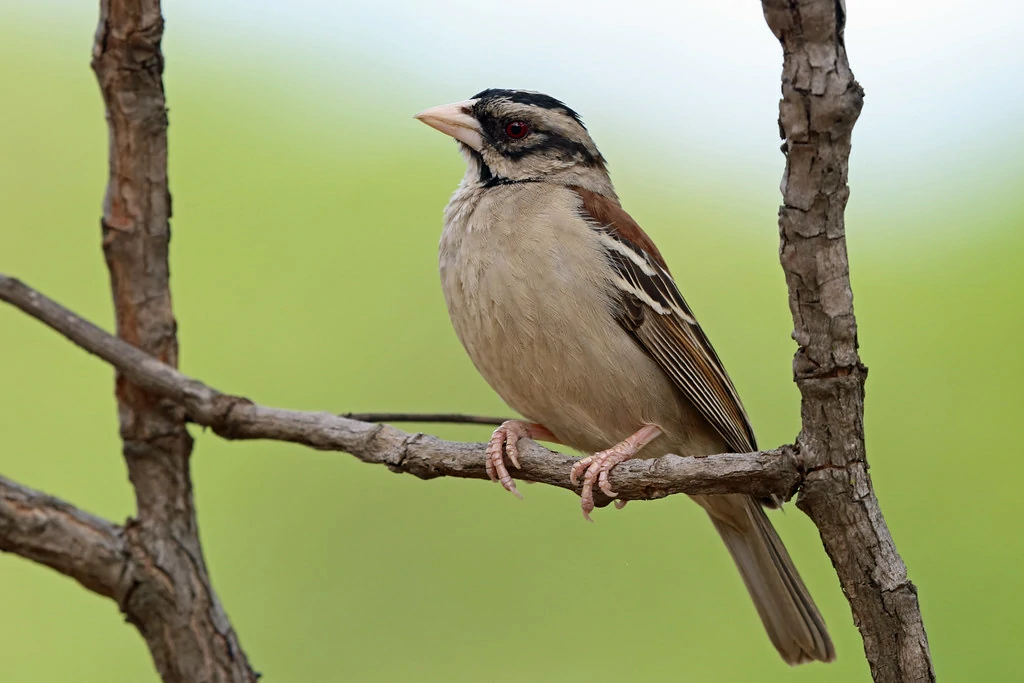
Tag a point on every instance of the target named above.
point(511, 136)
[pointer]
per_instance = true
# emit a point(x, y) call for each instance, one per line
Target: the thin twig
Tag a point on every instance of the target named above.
point(452, 418)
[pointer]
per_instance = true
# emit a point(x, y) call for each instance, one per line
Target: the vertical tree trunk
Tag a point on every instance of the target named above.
point(166, 593)
point(820, 104)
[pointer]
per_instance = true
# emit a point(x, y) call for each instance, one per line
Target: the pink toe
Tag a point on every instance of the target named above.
point(587, 506)
point(605, 485)
point(513, 452)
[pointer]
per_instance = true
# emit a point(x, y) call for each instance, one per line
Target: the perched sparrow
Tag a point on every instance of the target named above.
point(569, 312)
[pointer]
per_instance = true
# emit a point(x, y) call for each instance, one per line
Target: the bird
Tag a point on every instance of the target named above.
point(569, 312)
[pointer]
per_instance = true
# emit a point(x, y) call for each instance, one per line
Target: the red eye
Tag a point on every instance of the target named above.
point(517, 130)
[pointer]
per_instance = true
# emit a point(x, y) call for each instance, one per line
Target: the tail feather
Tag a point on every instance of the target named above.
point(790, 616)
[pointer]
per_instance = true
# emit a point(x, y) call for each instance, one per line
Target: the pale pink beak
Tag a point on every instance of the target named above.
point(457, 120)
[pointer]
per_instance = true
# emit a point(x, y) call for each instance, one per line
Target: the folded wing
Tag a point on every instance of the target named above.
point(654, 312)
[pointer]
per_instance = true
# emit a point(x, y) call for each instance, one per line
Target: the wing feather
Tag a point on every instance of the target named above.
point(655, 313)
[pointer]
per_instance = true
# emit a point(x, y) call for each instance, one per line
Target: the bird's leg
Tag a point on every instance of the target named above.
point(504, 440)
point(597, 466)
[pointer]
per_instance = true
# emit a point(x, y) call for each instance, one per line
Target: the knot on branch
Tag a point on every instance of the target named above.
point(218, 415)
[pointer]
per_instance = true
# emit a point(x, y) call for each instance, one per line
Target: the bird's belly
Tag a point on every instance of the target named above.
point(553, 350)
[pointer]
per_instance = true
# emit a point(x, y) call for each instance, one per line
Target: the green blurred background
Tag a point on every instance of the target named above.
point(307, 209)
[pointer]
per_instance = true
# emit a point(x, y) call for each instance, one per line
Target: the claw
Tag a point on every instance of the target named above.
point(595, 468)
point(578, 468)
point(504, 441)
point(588, 507)
point(602, 482)
point(512, 449)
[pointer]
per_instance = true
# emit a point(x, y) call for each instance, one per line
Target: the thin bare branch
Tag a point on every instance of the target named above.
point(763, 473)
point(452, 418)
point(52, 532)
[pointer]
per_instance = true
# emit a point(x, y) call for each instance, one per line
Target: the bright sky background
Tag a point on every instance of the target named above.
point(934, 71)
point(669, 77)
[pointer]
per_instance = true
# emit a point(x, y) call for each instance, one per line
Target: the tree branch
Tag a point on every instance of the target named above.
point(764, 473)
point(52, 532)
point(451, 418)
point(820, 104)
point(171, 600)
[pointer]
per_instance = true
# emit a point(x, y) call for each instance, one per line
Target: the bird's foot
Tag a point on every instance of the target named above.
point(505, 439)
point(595, 468)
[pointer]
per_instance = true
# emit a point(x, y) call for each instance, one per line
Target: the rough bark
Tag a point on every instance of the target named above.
point(820, 104)
point(169, 597)
point(49, 531)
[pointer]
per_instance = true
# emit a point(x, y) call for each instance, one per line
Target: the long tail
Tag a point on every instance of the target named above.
point(789, 614)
